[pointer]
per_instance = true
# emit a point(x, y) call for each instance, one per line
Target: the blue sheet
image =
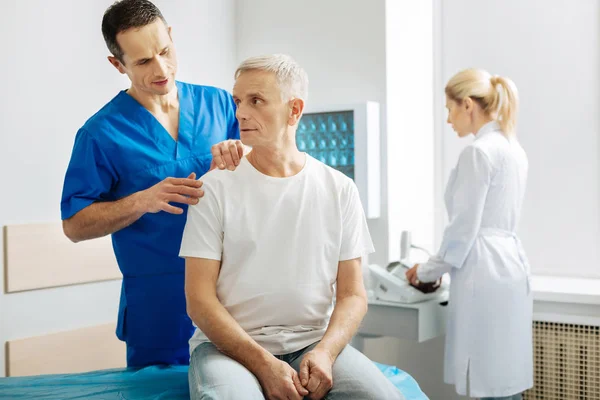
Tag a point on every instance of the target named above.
point(150, 383)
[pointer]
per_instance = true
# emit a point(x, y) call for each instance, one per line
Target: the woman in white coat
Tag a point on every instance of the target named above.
point(489, 338)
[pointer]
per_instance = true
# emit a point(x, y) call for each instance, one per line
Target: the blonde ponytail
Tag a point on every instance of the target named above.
point(507, 103)
point(497, 96)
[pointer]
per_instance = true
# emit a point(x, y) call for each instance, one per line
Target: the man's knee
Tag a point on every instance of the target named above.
point(370, 387)
point(213, 375)
point(357, 377)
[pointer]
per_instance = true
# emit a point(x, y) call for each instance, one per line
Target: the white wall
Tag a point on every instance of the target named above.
point(204, 33)
point(551, 49)
point(410, 97)
point(55, 77)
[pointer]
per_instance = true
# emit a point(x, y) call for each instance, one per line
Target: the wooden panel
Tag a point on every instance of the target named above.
point(79, 350)
point(40, 255)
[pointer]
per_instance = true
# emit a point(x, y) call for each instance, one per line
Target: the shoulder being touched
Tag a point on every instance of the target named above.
point(214, 184)
point(217, 175)
point(225, 178)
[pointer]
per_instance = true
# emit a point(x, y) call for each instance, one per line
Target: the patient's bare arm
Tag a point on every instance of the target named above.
point(316, 367)
point(350, 308)
point(277, 378)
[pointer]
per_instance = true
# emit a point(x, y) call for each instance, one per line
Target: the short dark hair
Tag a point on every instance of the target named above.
point(124, 15)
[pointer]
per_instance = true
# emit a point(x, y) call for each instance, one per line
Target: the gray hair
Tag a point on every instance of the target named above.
point(292, 79)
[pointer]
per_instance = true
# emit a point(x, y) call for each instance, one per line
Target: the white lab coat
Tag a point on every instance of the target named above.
point(489, 337)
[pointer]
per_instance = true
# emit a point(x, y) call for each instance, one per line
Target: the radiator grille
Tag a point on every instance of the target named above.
point(566, 362)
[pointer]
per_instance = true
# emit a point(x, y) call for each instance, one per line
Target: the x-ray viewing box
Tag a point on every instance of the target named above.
point(346, 137)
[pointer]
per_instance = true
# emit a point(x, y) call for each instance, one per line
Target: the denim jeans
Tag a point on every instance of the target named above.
point(213, 375)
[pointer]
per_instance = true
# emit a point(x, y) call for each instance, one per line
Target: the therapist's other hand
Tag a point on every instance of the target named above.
point(316, 373)
point(177, 190)
point(227, 154)
point(280, 381)
point(411, 275)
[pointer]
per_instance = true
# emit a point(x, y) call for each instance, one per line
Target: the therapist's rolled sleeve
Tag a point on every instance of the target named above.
point(89, 177)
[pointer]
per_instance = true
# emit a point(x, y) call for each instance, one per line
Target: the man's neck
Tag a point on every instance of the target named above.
point(156, 104)
point(278, 163)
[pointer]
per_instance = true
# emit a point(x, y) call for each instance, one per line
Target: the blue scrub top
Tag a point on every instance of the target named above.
point(121, 150)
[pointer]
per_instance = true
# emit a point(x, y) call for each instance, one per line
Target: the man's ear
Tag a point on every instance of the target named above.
point(116, 63)
point(296, 110)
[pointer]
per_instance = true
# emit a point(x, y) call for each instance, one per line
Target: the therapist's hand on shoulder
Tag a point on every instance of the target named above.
point(280, 381)
point(316, 373)
point(171, 190)
point(227, 154)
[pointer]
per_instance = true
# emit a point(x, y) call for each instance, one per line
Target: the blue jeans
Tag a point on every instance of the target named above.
point(213, 375)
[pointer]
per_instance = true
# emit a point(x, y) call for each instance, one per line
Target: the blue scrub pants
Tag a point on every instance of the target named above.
point(139, 357)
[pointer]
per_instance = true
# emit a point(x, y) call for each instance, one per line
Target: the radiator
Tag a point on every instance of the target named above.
point(566, 362)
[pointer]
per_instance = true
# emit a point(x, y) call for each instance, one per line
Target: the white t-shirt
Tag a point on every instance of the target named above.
point(279, 241)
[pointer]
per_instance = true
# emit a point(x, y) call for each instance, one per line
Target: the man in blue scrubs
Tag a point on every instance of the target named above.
point(133, 173)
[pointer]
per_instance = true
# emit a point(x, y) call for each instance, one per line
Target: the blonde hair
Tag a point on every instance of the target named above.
point(496, 95)
point(292, 79)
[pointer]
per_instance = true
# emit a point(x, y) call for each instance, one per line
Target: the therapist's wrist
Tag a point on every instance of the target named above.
point(138, 205)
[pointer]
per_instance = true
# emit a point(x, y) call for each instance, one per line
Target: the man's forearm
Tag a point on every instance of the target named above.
point(345, 320)
point(225, 333)
point(103, 218)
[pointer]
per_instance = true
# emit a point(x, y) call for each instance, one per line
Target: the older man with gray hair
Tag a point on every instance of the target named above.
point(267, 249)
